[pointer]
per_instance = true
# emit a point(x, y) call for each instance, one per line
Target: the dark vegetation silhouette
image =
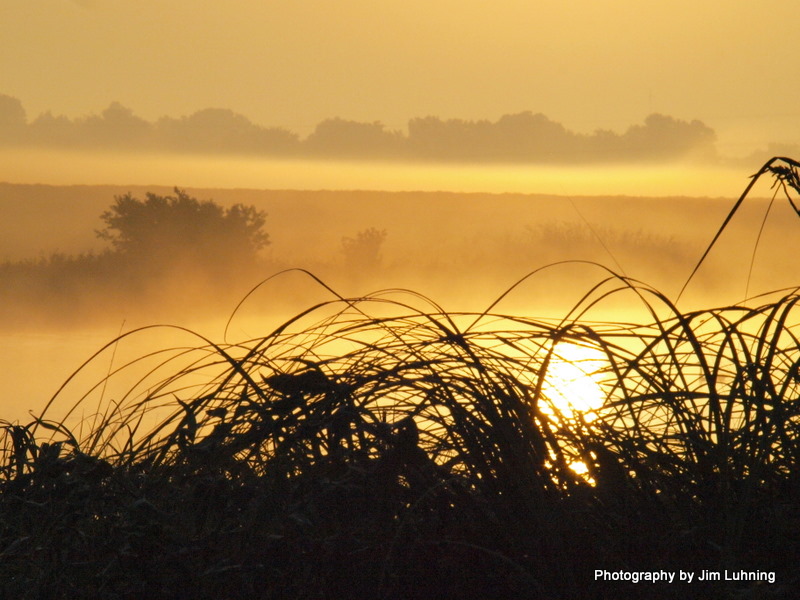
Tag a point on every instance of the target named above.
point(381, 447)
point(785, 176)
point(161, 230)
point(523, 137)
point(362, 253)
point(176, 254)
point(159, 248)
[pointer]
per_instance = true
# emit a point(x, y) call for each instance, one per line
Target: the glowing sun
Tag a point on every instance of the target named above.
point(572, 382)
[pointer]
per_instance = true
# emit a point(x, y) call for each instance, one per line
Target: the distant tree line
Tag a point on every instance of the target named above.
point(166, 247)
point(523, 137)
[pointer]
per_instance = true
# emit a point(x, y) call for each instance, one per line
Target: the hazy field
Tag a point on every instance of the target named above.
point(503, 438)
point(523, 327)
point(461, 249)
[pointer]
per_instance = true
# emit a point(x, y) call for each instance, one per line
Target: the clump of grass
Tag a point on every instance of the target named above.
point(383, 447)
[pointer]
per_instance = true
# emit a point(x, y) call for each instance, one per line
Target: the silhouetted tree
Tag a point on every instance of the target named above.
point(181, 230)
point(519, 137)
point(54, 130)
point(663, 136)
point(116, 127)
point(363, 252)
point(12, 119)
point(222, 130)
point(343, 138)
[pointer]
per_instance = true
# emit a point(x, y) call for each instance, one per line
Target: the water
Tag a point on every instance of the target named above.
point(75, 364)
point(36, 364)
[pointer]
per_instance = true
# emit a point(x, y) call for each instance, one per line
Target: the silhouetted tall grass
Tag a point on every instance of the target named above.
point(383, 447)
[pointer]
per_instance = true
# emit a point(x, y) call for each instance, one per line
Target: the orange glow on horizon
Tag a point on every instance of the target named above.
point(51, 167)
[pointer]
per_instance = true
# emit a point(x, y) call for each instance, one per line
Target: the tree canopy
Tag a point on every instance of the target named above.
point(181, 229)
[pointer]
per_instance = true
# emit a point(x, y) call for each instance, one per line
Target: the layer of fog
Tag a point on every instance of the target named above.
point(51, 167)
point(484, 240)
point(461, 249)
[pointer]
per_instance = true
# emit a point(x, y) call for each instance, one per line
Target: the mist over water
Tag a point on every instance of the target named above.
point(445, 346)
point(484, 228)
point(57, 167)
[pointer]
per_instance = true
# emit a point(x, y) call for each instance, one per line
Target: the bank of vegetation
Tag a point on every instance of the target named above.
point(383, 447)
point(167, 256)
point(525, 137)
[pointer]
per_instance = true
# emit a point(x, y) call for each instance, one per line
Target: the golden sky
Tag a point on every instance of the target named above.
point(588, 64)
